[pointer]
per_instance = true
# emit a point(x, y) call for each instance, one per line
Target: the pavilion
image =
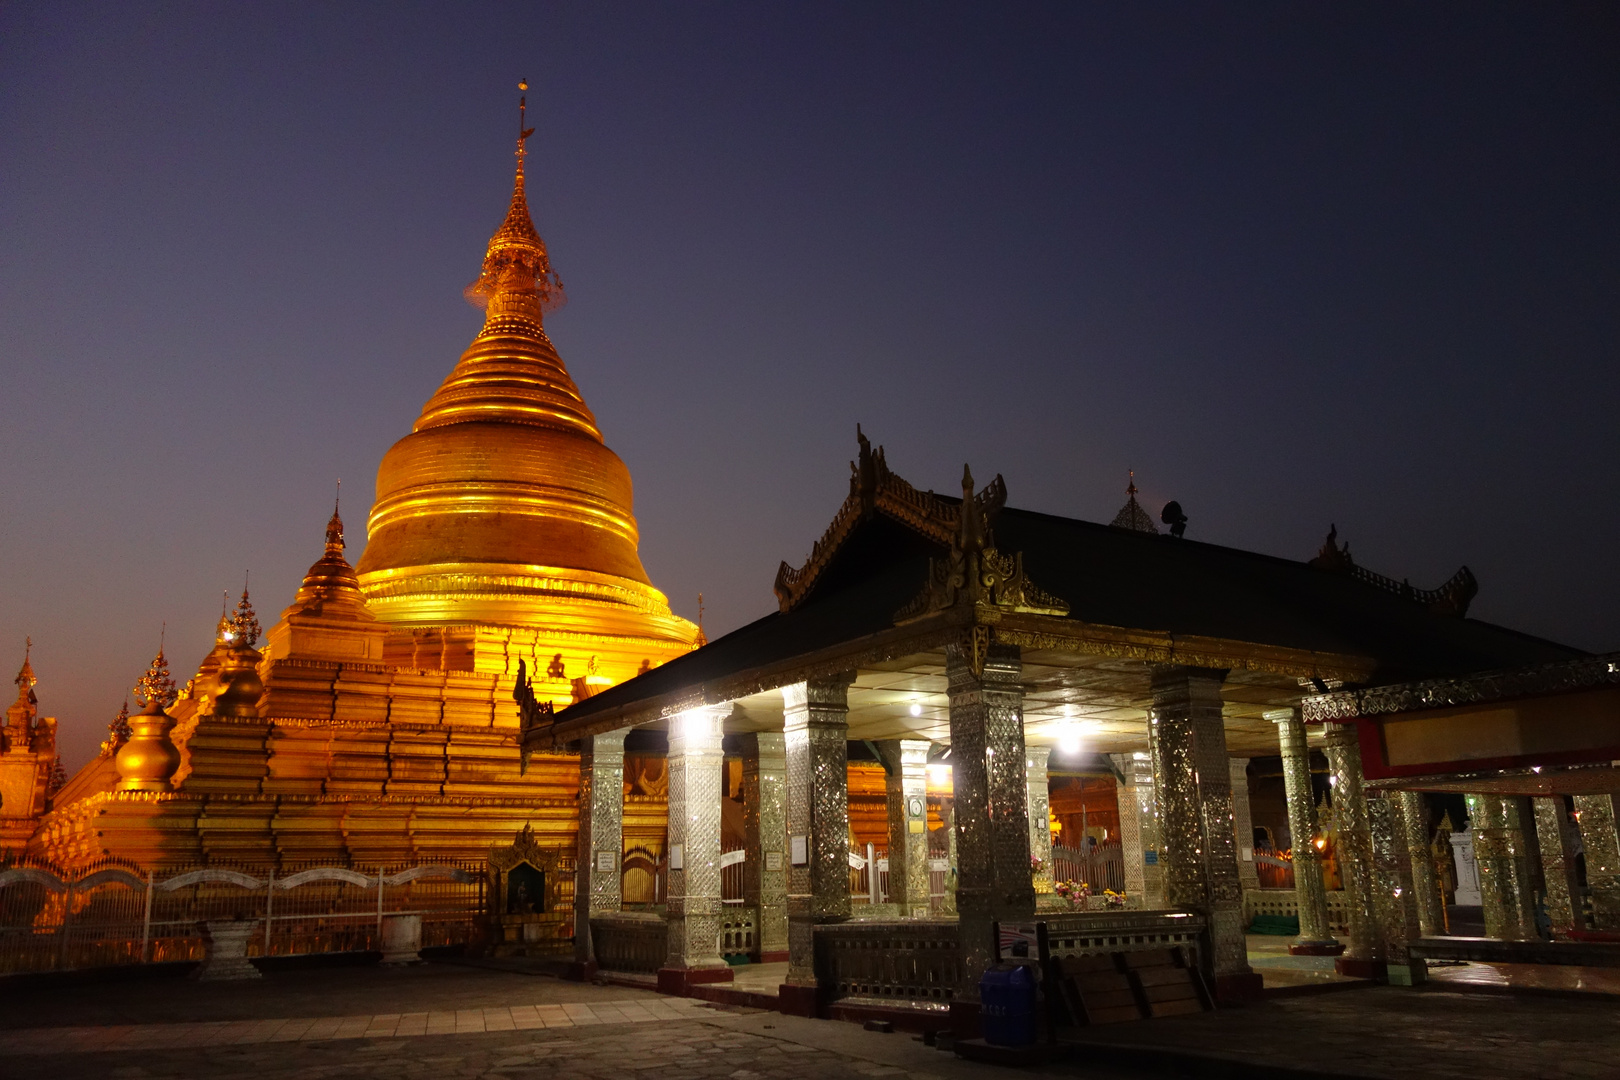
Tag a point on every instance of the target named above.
point(923, 621)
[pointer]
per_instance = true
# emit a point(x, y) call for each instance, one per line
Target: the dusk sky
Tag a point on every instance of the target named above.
point(1294, 264)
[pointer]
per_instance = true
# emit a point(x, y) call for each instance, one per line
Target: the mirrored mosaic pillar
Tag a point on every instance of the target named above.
point(906, 787)
point(1038, 797)
point(1363, 954)
point(1243, 823)
point(992, 804)
point(816, 728)
point(696, 784)
point(1559, 845)
point(764, 781)
point(599, 868)
point(1425, 881)
point(1504, 872)
point(1596, 814)
point(1310, 893)
point(1393, 896)
point(1139, 832)
point(1194, 784)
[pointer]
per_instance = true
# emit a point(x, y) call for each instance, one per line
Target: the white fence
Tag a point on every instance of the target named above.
point(51, 920)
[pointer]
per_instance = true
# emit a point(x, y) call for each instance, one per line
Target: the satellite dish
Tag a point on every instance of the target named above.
point(1172, 516)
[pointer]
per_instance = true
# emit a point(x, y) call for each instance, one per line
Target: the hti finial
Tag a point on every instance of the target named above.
point(245, 624)
point(523, 132)
point(334, 527)
point(1130, 488)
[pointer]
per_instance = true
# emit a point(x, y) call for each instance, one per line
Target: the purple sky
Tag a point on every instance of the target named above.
point(1294, 264)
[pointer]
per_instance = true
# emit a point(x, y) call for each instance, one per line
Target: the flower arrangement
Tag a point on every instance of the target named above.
point(1075, 892)
point(1113, 899)
point(1036, 864)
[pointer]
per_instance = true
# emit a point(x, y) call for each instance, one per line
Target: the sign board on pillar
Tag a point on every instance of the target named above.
point(1150, 858)
point(606, 861)
point(677, 857)
point(800, 850)
point(773, 861)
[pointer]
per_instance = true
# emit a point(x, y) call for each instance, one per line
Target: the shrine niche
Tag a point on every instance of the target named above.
point(530, 896)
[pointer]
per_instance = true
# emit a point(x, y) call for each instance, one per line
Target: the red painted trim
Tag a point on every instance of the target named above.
point(1375, 757)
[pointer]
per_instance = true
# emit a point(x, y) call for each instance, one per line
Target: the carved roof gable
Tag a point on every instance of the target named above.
point(874, 490)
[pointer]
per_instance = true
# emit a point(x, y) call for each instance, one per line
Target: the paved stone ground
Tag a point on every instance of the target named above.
point(447, 1023)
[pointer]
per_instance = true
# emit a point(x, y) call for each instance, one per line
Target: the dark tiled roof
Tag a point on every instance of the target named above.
point(1114, 577)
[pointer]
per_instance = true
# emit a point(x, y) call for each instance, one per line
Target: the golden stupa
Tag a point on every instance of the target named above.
point(503, 525)
point(376, 723)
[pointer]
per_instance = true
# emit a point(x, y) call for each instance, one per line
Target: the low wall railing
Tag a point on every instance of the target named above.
point(1284, 902)
point(633, 941)
point(51, 920)
point(904, 962)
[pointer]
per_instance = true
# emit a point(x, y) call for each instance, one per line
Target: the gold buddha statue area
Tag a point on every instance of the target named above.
point(375, 725)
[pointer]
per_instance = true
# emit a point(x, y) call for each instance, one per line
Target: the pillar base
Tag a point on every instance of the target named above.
point(1356, 968)
point(581, 971)
point(796, 1000)
point(1239, 989)
point(1316, 948)
point(1414, 972)
point(679, 981)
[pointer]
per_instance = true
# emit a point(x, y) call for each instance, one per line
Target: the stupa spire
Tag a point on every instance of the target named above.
point(334, 527)
point(517, 283)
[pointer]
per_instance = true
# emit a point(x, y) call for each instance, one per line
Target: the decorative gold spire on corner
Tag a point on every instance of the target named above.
point(149, 758)
point(156, 685)
point(702, 639)
point(517, 282)
point(330, 587)
point(245, 623)
point(25, 680)
point(118, 731)
point(334, 527)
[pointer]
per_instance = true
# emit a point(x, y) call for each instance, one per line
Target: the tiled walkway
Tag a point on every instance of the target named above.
point(71, 1040)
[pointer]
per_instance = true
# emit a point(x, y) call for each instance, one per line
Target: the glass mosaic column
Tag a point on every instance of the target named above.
point(1559, 844)
point(1310, 894)
point(1504, 871)
point(1139, 832)
point(764, 781)
point(1353, 849)
point(1038, 798)
point(599, 868)
point(947, 813)
point(815, 725)
point(696, 783)
point(906, 786)
point(1599, 838)
point(1425, 881)
point(1243, 823)
point(1393, 897)
point(1194, 784)
point(992, 805)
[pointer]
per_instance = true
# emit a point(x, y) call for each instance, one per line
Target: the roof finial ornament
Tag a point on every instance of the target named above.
point(25, 679)
point(245, 623)
point(702, 639)
point(334, 528)
point(517, 281)
point(1131, 516)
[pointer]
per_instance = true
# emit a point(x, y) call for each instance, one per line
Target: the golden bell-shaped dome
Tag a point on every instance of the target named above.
point(148, 760)
point(503, 506)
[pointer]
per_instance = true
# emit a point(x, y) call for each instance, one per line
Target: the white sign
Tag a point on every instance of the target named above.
point(605, 861)
point(773, 860)
point(800, 846)
point(677, 857)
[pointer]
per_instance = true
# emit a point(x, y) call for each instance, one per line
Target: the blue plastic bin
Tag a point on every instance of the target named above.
point(1007, 1006)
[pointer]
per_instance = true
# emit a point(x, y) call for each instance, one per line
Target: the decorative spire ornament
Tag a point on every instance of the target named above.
point(156, 685)
point(245, 624)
